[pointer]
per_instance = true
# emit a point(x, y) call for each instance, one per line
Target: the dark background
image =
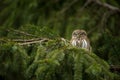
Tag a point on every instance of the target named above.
point(100, 18)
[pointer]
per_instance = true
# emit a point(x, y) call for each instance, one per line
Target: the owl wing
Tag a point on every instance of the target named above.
point(73, 42)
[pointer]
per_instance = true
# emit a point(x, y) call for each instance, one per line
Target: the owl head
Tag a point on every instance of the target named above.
point(79, 33)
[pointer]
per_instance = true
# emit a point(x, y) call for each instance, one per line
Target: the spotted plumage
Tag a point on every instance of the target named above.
point(80, 39)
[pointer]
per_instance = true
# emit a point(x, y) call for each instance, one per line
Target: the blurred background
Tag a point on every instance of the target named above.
point(100, 18)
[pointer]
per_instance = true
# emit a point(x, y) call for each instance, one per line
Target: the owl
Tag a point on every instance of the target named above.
point(80, 39)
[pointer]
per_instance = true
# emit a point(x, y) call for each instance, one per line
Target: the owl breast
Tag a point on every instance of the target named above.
point(84, 43)
point(80, 43)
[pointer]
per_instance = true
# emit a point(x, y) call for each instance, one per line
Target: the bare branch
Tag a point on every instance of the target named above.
point(22, 32)
point(27, 40)
point(85, 4)
point(66, 8)
point(33, 42)
point(106, 5)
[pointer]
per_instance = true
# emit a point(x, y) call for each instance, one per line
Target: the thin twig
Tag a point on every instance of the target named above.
point(104, 20)
point(27, 40)
point(68, 7)
point(22, 32)
point(33, 42)
point(86, 4)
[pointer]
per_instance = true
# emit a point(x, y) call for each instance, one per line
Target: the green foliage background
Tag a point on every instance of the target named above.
point(52, 60)
point(55, 19)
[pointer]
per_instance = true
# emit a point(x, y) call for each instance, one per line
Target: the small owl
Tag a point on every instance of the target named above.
point(80, 39)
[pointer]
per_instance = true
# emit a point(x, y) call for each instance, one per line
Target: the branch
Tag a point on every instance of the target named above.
point(27, 40)
point(106, 5)
point(33, 42)
point(39, 40)
point(22, 32)
point(85, 4)
point(66, 8)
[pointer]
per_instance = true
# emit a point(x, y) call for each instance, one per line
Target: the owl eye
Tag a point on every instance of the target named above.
point(74, 33)
point(83, 34)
